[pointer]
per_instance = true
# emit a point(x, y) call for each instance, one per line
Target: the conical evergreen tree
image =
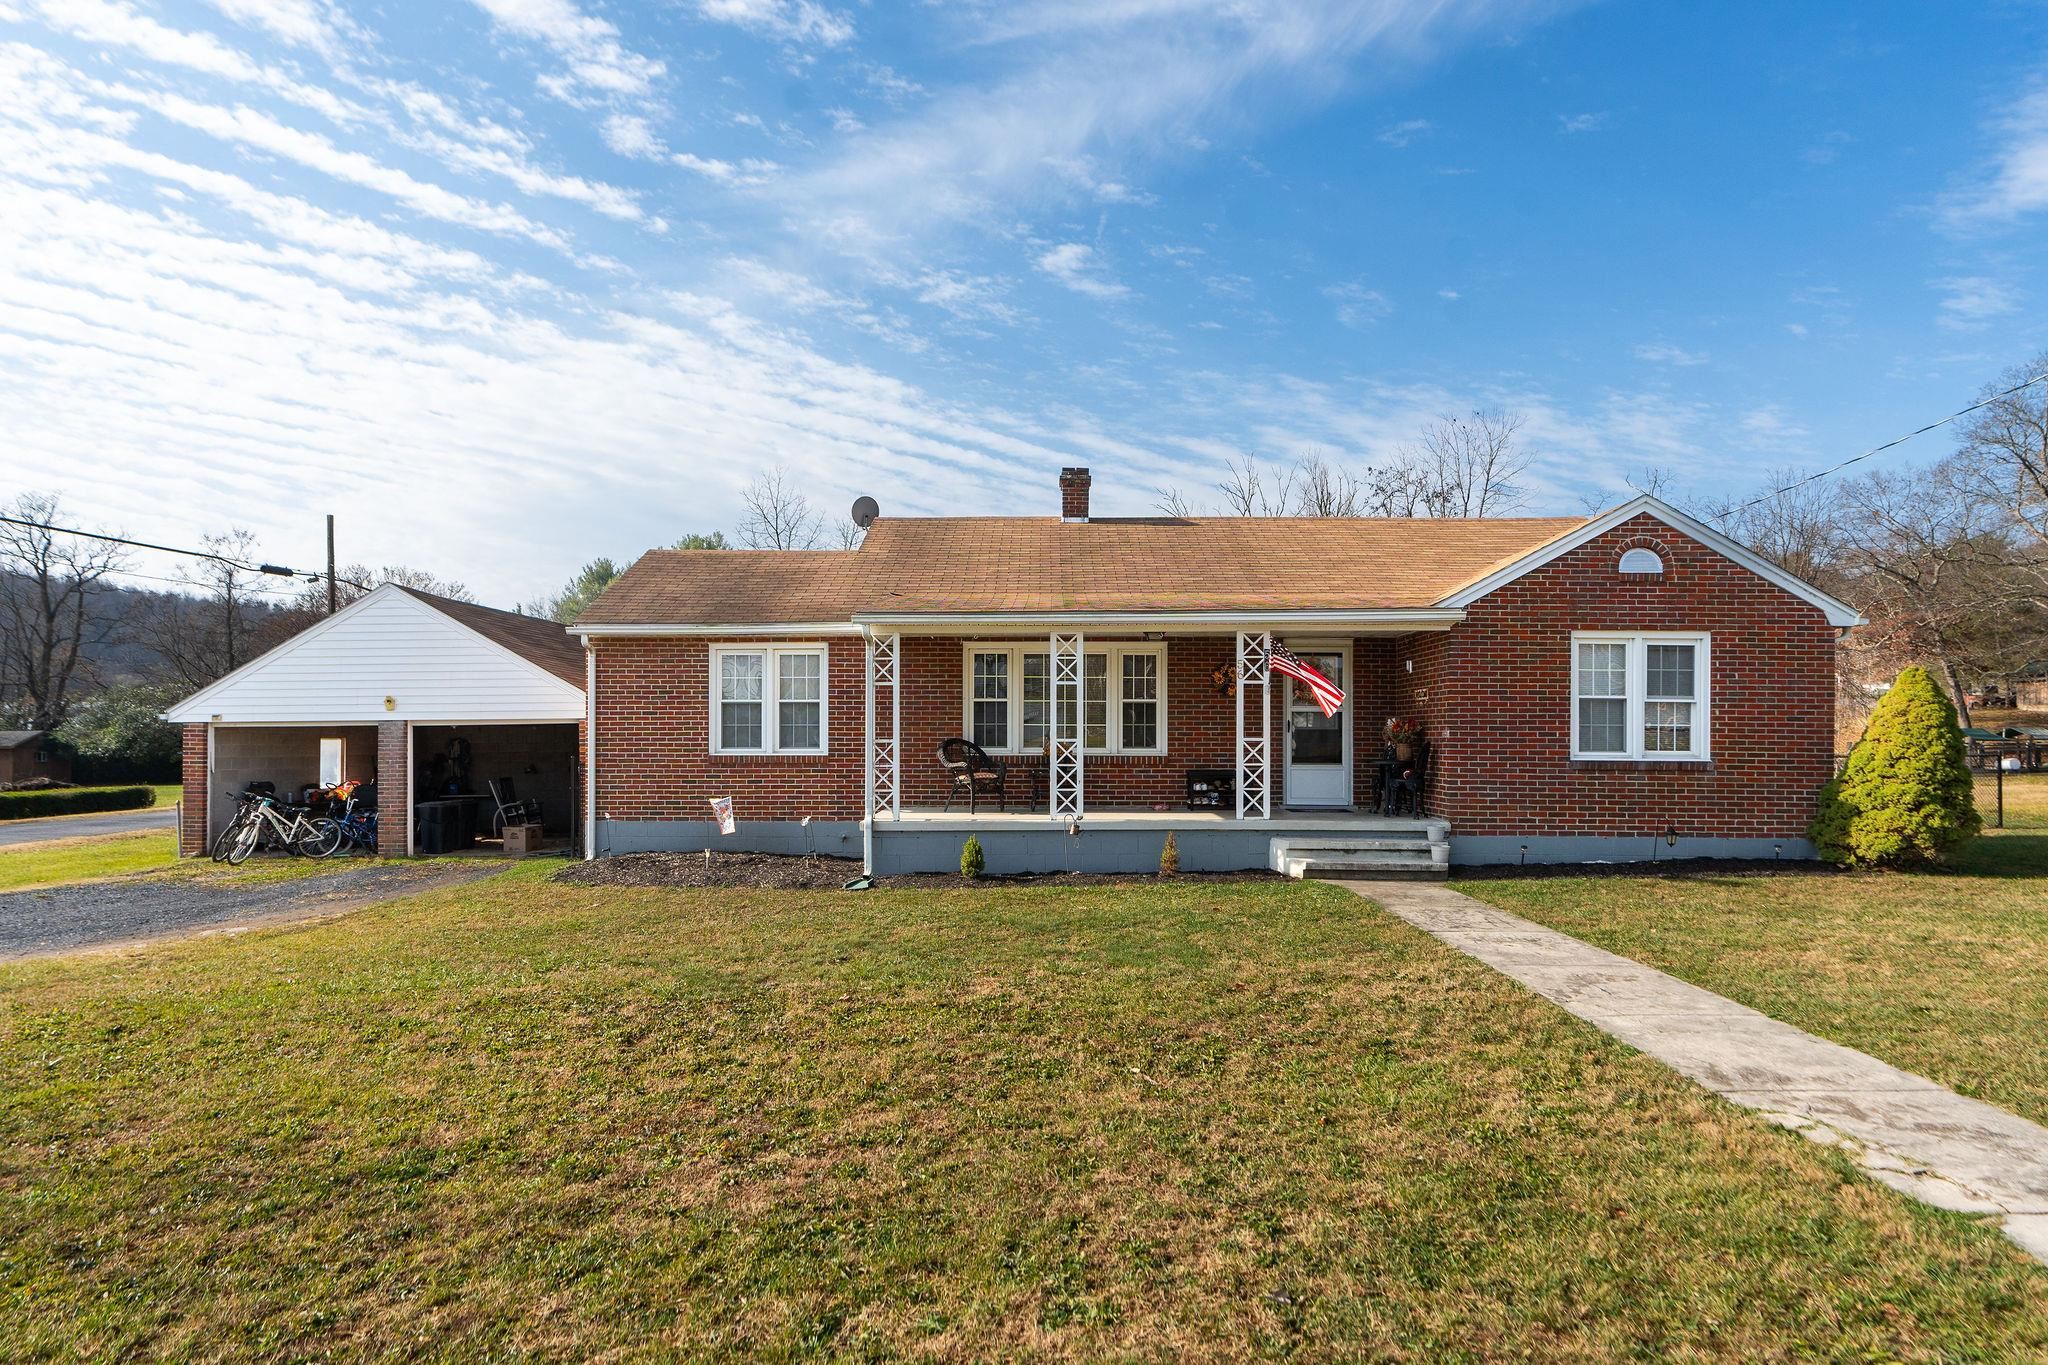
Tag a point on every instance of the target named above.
point(1906, 798)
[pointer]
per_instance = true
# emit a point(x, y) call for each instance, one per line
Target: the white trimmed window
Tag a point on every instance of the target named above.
point(1639, 696)
point(768, 700)
point(332, 765)
point(1008, 701)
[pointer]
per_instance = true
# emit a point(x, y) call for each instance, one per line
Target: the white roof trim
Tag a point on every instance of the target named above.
point(1403, 618)
point(1839, 614)
point(194, 707)
point(790, 628)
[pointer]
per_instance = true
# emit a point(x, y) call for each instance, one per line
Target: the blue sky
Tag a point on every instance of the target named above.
point(508, 284)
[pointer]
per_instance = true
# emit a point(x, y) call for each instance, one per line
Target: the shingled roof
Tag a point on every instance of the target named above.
point(535, 639)
point(1027, 565)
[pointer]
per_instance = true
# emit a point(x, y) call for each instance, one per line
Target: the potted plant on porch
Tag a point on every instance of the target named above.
point(1402, 736)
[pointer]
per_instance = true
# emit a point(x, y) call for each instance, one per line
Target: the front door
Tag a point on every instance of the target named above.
point(1318, 746)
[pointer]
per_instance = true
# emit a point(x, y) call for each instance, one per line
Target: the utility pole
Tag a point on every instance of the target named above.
point(330, 565)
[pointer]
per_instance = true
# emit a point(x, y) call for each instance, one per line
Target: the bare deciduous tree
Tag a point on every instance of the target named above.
point(778, 515)
point(2003, 461)
point(1931, 570)
point(1470, 465)
point(1797, 526)
point(53, 608)
point(1322, 489)
point(1249, 491)
point(215, 628)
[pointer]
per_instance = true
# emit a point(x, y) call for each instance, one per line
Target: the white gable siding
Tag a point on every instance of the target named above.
point(387, 645)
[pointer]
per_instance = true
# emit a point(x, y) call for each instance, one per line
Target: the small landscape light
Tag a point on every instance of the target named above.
point(1525, 855)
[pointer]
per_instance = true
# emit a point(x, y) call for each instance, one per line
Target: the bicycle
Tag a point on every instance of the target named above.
point(225, 840)
point(298, 835)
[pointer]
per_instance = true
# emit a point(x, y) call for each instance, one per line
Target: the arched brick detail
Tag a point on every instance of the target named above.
point(1655, 546)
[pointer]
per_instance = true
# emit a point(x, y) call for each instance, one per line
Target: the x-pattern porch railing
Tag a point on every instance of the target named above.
point(1065, 781)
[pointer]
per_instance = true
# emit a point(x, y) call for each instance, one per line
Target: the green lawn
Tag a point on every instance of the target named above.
point(149, 853)
point(85, 860)
point(517, 1119)
point(1945, 974)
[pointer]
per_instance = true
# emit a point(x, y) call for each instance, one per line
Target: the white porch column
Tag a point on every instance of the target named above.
point(1254, 752)
point(1064, 780)
point(881, 748)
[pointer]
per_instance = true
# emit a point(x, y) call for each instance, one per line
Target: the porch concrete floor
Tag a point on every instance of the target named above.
point(1916, 1136)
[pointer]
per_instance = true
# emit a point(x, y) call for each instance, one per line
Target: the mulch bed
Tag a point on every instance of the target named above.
point(1676, 868)
point(815, 872)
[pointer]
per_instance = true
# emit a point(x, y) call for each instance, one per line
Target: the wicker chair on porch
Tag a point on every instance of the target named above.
point(972, 771)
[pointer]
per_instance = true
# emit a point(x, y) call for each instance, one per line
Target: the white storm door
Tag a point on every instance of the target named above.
point(1318, 748)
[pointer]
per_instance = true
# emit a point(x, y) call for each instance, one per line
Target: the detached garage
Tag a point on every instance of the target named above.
point(454, 710)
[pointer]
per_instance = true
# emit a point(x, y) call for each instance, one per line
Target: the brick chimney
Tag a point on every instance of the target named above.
point(1074, 494)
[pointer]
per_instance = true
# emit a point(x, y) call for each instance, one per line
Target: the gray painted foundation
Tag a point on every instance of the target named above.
point(1052, 849)
point(833, 838)
point(1565, 848)
point(1127, 848)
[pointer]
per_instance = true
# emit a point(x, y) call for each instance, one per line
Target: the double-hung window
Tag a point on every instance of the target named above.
point(1639, 696)
point(768, 700)
point(1123, 698)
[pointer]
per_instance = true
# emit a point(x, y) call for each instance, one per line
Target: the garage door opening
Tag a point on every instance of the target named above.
point(469, 782)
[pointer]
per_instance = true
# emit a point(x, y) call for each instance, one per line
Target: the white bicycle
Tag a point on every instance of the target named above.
point(293, 829)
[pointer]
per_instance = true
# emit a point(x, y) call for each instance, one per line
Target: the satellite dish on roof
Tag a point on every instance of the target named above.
point(865, 510)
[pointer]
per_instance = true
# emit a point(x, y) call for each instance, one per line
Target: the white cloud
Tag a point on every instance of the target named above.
point(1768, 428)
point(1664, 353)
point(2016, 183)
point(1076, 265)
point(632, 135)
point(313, 24)
point(1358, 306)
point(1581, 123)
point(1405, 132)
point(1451, 294)
point(797, 21)
point(1111, 83)
point(596, 59)
point(749, 171)
point(1970, 301)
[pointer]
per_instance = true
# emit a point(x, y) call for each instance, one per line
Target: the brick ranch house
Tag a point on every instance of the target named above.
point(1620, 687)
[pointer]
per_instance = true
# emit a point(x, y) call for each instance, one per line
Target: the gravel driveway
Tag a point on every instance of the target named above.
point(61, 917)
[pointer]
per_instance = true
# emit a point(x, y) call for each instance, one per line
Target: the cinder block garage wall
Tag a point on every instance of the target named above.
point(286, 755)
point(508, 751)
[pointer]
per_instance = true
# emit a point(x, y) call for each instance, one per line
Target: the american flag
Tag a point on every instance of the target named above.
point(1327, 694)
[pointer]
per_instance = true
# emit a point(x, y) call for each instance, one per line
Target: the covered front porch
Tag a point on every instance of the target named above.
point(1089, 746)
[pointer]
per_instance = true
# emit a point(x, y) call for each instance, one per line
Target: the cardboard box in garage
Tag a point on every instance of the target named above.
point(522, 838)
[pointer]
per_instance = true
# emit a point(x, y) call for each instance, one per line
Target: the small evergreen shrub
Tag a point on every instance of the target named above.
point(1169, 856)
point(972, 863)
point(1905, 798)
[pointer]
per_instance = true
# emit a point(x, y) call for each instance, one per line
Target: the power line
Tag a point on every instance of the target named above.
point(275, 570)
point(1879, 450)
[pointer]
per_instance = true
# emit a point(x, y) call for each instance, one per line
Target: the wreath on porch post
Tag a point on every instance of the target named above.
point(1224, 680)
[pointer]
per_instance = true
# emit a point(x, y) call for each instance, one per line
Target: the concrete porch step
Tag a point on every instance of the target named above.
point(1365, 870)
point(1416, 853)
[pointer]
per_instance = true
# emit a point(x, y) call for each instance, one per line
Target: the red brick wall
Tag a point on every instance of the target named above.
point(1495, 695)
point(394, 789)
point(192, 815)
point(653, 732)
point(653, 752)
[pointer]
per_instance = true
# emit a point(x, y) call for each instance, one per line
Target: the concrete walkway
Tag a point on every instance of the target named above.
point(1905, 1130)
